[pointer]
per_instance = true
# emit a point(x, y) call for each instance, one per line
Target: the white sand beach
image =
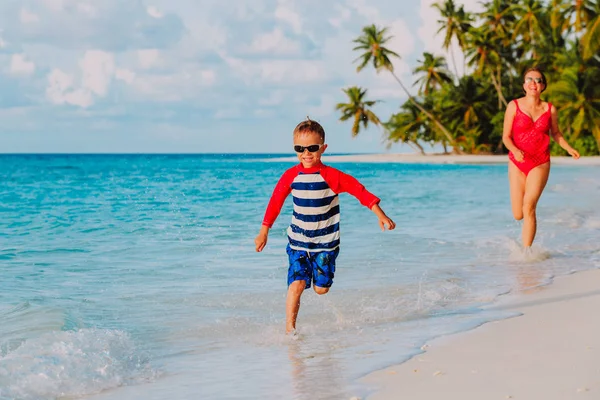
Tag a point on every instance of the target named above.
point(438, 159)
point(551, 352)
point(448, 159)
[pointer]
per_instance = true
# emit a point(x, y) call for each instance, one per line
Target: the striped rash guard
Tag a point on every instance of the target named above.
point(315, 223)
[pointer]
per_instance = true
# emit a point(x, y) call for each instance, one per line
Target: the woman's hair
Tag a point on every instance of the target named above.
point(538, 70)
point(310, 126)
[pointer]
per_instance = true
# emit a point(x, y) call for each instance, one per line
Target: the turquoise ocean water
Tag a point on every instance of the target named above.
point(135, 276)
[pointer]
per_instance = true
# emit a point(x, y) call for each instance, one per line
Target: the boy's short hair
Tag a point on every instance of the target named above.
point(310, 126)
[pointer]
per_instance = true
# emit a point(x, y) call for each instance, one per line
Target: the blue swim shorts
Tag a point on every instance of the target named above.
point(317, 267)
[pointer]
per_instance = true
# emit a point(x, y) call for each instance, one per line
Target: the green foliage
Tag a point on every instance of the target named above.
point(586, 146)
point(499, 44)
point(358, 109)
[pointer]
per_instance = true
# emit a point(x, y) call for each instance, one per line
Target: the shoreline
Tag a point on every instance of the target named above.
point(549, 351)
point(468, 159)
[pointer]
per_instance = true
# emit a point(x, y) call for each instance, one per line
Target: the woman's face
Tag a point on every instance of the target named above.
point(534, 83)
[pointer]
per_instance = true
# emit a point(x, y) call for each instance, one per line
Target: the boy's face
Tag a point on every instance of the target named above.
point(305, 139)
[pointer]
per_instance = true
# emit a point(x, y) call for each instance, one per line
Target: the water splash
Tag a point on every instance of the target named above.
point(75, 363)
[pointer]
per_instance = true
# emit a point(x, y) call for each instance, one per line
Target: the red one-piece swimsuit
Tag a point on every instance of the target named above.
point(531, 137)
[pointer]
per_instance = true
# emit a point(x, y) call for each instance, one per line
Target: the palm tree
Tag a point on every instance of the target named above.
point(358, 109)
point(408, 126)
point(531, 22)
point(469, 141)
point(372, 42)
point(560, 16)
point(434, 72)
point(483, 56)
point(591, 39)
point(563, 36)
point(456, 23)
point(497, 18)
point(583, 12)
point(467, 102)
point(495, 27)
point(577, 97)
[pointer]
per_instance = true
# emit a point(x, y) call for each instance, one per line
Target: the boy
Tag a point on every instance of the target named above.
point(313, 235)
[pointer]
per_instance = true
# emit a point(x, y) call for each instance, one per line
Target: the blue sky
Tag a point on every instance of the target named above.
point(195, 75)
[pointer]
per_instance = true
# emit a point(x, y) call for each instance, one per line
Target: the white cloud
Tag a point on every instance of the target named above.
point(187, 83)
point(368, 11)
point(27, 17)
point(97, 72)
point(2, 43)
point(291, 71)
point(228, 113)
point(154, 12)
point(148, 57)
point(280, 72)
point(163, 51)
point(274, 43)
point(60, 90)
point(402, 41)
point(18, 65)
point(273, 98)
point(98, 68)
point(88, 9)
point(343, 15)
point(125, 75)
point(207, 76)
point(326, 104)
point(286, 14)
point(81, 6)
point(54, 5)
point(113, 25)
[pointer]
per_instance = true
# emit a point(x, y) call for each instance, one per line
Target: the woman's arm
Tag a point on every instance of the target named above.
point(509, 116)
point(557, 135)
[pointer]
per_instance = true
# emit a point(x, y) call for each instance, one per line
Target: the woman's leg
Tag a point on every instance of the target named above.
point(516, 182)
point(534, 186)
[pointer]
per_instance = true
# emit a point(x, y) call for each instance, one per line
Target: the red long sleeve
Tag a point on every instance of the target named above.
point(340, 182)
point(280, 193)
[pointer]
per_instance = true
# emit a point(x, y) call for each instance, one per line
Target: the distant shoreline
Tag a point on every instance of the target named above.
point(442, 159)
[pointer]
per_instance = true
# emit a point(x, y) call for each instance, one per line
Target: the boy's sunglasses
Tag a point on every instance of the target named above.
point(312, 148)
point(529, 79)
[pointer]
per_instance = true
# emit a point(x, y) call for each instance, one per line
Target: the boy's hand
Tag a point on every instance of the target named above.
point(386, 221)
point(383, 219)
point(261, 239)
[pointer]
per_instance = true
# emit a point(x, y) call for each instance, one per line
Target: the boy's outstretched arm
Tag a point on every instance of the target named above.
point(383, 218)
point(340, 182)
point(281, 191)
point(261, 239)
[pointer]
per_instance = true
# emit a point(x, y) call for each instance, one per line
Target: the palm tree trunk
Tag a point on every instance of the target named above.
point(418, 146)
point(533, 42)
point(499, 90)
point(437, 123)
point(454, 62)
point(499, 79)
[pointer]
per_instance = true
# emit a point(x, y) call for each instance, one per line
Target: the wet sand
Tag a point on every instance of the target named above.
point(549, 352)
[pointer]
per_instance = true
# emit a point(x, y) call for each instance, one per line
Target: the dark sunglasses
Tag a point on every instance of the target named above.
point(312, 148)
point(529, 79)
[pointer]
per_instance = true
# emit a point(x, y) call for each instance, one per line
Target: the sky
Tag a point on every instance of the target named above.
point(197, 76)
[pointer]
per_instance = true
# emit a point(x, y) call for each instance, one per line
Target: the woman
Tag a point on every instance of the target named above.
point(528, 123)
